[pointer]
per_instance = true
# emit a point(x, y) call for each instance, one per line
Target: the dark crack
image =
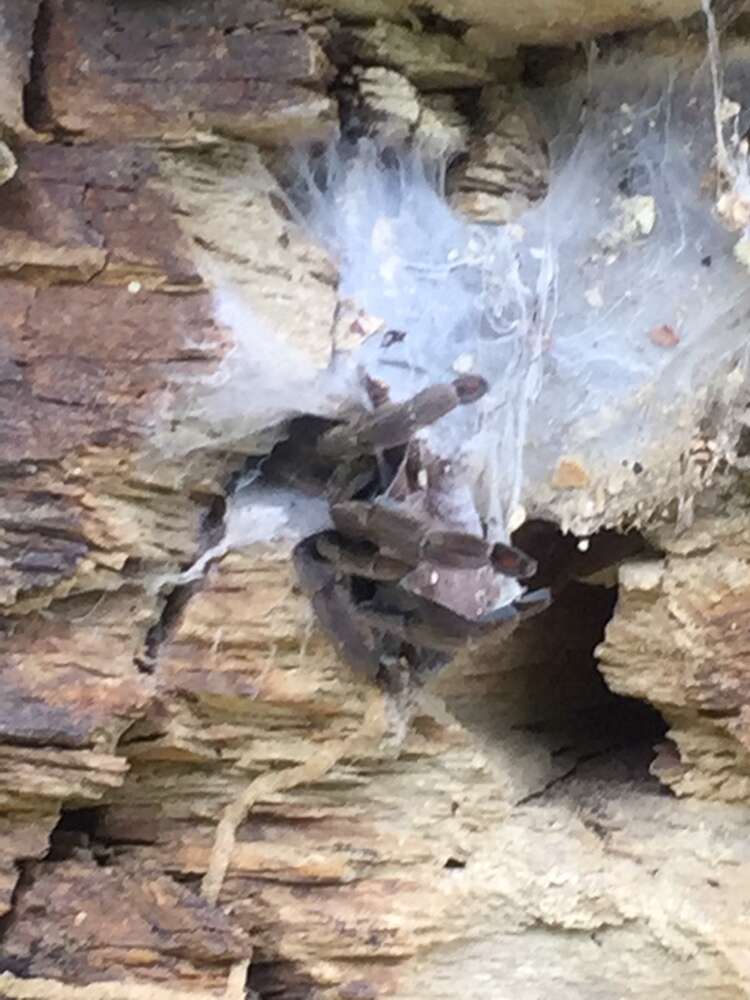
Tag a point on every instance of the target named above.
point(36, 107)
point(17, 966)
point(177, 598)
point(171, 612)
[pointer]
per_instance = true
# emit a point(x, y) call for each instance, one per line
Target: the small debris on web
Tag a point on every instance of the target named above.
point(633, 218)
point(664, 336)
point(352, 325)
point(570, 474)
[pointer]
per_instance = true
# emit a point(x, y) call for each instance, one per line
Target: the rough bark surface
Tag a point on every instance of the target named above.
point(689, 612)
point(493, 28)
point(129, 71)
point(16, 42)
point(196, 798)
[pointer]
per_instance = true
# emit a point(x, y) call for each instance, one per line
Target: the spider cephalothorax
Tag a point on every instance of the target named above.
point(386, 532)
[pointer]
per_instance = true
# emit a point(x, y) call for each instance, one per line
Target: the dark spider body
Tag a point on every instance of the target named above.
point(353, 573)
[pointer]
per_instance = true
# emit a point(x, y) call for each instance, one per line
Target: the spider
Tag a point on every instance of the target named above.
point(367, 465)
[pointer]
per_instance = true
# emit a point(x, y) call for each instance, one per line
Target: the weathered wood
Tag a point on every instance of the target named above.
point(679, 639)
point(17, 21)
point(236, 803)
point(105, 922)
point(104, 317)
point(148, 71)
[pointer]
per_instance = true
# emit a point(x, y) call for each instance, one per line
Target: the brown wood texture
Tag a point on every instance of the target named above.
point(197, 799)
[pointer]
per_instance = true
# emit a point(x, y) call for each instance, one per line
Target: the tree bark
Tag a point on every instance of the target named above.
point(197, 799)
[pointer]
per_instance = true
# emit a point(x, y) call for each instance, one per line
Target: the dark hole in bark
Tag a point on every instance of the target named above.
point(83, 833)
point(75, 831)
point(432, 21)
point(279, 980)
point(743, 445)
point(543, 65)
point(36, 109)
point(611, 734)
point(544, 685)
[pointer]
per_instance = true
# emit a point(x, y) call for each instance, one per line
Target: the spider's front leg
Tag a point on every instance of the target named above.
point(420, 622)
point(412, 539)
point(362, 559)
point(524, 607)
point(390, 527)
point(394, 424)
point(435, 632)
point(336, 613)
point(459, 550)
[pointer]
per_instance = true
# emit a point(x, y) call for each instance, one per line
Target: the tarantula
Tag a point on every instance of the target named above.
point(369, 467)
